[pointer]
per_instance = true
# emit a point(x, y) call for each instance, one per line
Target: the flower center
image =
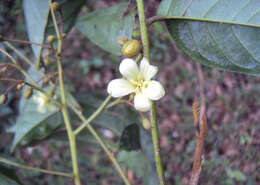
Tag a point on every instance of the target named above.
point(140, 84)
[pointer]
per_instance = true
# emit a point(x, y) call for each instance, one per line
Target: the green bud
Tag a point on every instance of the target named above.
point(51, 38)
point(20, 86)
point(146, 123)
point(131, 48)
point(55, 6)
point(28, 93)
point(3, 99)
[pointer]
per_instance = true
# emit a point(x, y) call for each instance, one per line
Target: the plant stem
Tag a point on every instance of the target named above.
point(27, 42)
point(143, 29)
point(27, 60)
point(35, 169)
point(156, 146)
point(72, 137)
point(100, 141)
point(93, 116)
point(155, 131)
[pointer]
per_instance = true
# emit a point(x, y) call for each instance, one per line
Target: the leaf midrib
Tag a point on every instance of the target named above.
point(208, 20)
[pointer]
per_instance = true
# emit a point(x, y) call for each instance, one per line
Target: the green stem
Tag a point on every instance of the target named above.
point(93, 116)
point(143, 29)
point(28, 61)
point(72, 137)
point(35, 169)
point(155, 131)
point(100, 141)
point(156, 146)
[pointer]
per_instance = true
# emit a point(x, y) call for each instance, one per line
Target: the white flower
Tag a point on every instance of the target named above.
point(137, 80)
point(43, 103)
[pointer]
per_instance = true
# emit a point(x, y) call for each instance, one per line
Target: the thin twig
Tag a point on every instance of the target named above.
point(201, 132)
point(3, 160)
point(27, 42)
point(200, 123)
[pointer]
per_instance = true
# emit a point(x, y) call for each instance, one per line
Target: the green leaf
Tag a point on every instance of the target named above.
point(105, 26)
point(29, 115)
point(4, 180)
point(39, 21)
point(138, 162)
point(219, 33)
point(43, 131)
point(28, 119)
point(36, 13)
point(130, 139)
point(8, 175)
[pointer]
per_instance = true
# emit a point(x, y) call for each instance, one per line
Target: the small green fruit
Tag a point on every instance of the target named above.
point(3, 99)
point(146, 124)
point(28, 93)
point(51, 38)
point(20, 86)
point(131, 48)
point(55, 6)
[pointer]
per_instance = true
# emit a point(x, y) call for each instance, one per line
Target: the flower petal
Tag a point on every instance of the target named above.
point(146, 70)
point(154, 90)
point(119, 87)
point(142, 102)
point(129, 69)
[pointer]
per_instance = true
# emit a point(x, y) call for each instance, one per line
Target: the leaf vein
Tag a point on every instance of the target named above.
point(217, 45)
point(243, 45)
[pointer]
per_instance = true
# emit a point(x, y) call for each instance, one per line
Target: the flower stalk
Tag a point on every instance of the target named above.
point(155, 132)
point(72, 137)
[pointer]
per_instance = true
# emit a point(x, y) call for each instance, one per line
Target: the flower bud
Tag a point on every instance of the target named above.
point(122, 40)
point(131, 48)
point(55, 6)
point(28, 93)
point(20, 86)
point(146, 123)
point(51, 38)
point(63, 36)
point(3, 99)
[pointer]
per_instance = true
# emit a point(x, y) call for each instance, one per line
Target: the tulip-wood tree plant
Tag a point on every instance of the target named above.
point(208, 31)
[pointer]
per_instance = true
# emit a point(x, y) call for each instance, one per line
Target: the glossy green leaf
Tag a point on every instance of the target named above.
point(105, 26)
point(220, 33)
point(130, 138)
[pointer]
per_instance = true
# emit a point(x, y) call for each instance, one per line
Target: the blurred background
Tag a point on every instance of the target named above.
point(232, 150)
